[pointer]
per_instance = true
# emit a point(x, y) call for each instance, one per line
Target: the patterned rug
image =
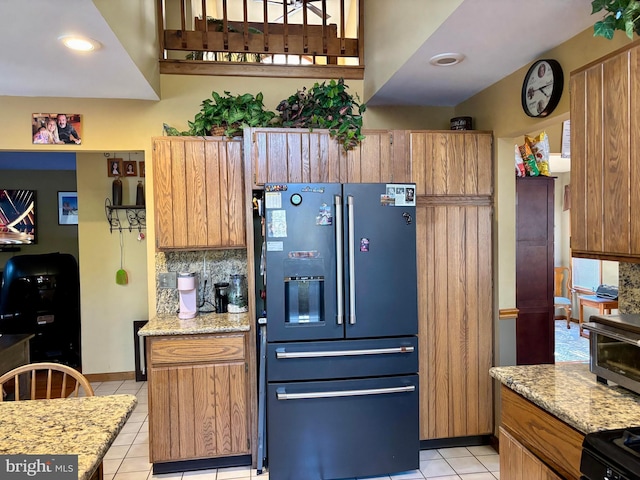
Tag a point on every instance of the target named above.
point(570, 346)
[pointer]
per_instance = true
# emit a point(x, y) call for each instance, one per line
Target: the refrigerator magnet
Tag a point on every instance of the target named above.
point(324, 217)
point(364, 244)
point(276, 223)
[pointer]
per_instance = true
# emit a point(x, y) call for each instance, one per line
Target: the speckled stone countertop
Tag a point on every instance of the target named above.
point(570, 392)
point(72, 426)
point(170, 324)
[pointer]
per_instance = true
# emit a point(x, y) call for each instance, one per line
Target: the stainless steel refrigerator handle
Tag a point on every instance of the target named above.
point(343, 393)
point(352, 267)
point(337, 200)
point(344, 353)
point(608, 333)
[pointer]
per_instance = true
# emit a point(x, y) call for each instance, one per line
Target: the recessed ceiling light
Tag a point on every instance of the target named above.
point(79, 43)
point(446, 59)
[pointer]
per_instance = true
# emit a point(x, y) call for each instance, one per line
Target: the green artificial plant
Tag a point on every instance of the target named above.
point(327, 106)
point(621, 15)
point(233, 112)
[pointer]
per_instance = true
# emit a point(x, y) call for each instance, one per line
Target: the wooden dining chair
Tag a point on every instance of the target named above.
point(62, 381)
point(563, 292)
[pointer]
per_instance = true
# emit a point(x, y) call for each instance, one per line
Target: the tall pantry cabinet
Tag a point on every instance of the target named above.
point(453, 172)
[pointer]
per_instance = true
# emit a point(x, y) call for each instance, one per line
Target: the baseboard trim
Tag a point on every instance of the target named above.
point(469, 441)
point(110, 377)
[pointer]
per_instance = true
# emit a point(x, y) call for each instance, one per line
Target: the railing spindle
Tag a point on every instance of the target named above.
point(205, 35)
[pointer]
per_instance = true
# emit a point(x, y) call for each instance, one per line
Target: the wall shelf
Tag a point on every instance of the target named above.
point(127, 217)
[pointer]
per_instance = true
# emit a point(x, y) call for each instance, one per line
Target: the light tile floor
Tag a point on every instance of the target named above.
point(128, 457)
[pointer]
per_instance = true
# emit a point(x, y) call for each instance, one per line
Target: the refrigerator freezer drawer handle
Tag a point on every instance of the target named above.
point(344, 353)
point(352, 259)
point(337, 200)
point(343, 393)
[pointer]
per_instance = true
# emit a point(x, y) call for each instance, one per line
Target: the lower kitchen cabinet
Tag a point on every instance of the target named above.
point(534, 444)
point(198, 397)
point(516, 462)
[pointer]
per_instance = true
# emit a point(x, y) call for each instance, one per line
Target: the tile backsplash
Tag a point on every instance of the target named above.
point(629, 287)
point(213, 265)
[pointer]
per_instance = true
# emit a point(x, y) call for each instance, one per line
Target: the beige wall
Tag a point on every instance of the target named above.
point(111, 126)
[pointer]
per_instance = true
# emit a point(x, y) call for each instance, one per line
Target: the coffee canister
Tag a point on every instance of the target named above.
point(461, 123)
point(238, 301)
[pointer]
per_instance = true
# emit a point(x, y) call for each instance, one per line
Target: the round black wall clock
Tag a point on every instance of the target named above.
point(542, 88)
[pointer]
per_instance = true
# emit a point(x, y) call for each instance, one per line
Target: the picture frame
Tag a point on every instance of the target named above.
point(67, 208)
point(114, 167)
point(141, 169)
point(56, 128)
point(130, 168)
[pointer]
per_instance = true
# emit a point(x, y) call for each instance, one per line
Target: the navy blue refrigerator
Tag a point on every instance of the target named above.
point(342, 353)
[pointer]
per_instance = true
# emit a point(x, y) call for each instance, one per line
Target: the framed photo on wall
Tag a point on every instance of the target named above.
point(130, 168)
point(56, 128)
point(114, 167)
point(67, 208)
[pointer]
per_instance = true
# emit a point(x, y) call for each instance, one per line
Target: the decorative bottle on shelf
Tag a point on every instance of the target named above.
point(116, 191)
point(140, 194)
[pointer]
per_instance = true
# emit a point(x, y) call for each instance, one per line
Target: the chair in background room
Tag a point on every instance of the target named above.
point(45, 380)
point(563, 292)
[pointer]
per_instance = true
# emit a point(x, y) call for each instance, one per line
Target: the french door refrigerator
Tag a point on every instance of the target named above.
point(342, 353)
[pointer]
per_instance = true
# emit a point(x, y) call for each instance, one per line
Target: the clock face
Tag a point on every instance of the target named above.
point(542, 88)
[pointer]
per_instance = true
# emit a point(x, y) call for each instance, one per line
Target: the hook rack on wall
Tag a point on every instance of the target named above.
point(134, 217)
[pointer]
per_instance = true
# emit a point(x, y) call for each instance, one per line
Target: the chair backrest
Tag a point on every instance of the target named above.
point(61, 380)
point(562, 282)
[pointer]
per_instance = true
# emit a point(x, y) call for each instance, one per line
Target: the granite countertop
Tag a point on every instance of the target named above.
point(85, 426)
point(170, 324)
point(570, 392)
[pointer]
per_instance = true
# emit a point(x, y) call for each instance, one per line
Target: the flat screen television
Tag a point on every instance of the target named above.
point(17, 217)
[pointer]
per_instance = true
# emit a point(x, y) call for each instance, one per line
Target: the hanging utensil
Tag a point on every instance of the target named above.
point(122, 278)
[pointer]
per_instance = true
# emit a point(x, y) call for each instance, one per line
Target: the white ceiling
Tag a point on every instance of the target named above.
point(496, 36)
point(34, 63)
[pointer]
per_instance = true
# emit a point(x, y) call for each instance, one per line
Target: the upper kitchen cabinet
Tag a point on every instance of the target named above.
point(299, 155)
point(605, 200)
point(198, 193)
point(457, 163)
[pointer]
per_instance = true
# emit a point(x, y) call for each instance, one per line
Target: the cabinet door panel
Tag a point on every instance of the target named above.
point(594, 162)
point(634, 172)
point(452, 163)
point(616, 155)
point(198, 411)
point(179, 193)
point(579, 164)
point(196, 202)
point(199, 192)
point(163, 199)
point(455, 320)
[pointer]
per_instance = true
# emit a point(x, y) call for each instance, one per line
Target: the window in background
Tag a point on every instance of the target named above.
point(587, 274)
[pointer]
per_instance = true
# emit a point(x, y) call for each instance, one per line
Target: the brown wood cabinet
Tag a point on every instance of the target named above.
point(518, 463)
point(298, 155)
point(605, 172)
point(198, 397)
point(538, 434)
point(534, 270)
point(453, 172)
point(198, 193)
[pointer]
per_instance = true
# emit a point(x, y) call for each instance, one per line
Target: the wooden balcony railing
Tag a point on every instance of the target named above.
point(281, 38)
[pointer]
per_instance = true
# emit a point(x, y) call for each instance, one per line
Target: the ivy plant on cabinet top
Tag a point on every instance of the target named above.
point(621, 15)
